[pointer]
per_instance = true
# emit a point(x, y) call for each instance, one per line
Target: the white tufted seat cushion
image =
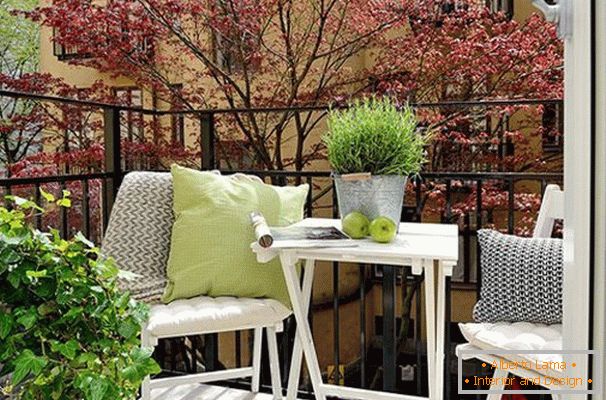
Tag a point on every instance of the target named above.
point(207, 314)
point(516, 336)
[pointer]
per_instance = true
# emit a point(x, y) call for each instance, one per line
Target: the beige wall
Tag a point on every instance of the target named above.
point(522, 9)
point(75, 75)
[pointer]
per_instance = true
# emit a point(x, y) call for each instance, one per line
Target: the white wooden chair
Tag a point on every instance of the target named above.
point(519, 335)
point(138, 238)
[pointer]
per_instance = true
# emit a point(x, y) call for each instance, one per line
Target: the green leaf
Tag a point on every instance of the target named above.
point(141, 353)
point(74, 312)
point(98, 387)
point(28, 318)
point(128, 329)
point(17, 200)
point(82, 239)
point(47, 196)
point(47, 308)
point(94, 387)
point(14, 279)
point(36, 274)
point(127, 275)
point(16, 239)
point(96, 289)
point(9, 256)
point(68, 349)
point(6, 324)
point(7, 349)
point(142, 365)
point(64, 203)
point(86, 358)
point(27, 363)
point(24, 203)
point(107, 269)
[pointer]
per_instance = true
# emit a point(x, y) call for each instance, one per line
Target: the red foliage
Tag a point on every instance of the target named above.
point(242, 54)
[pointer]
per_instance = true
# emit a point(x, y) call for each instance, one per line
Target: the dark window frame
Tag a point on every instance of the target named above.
point(224, 58)
point(64, 53)
point(130, 114)
point(553, 122)
point(506, 6)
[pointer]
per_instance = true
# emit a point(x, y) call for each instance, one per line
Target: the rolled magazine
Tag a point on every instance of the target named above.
point(262, 232)
point(297, 235)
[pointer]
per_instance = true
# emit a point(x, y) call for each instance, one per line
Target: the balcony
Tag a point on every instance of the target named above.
point(368, 320)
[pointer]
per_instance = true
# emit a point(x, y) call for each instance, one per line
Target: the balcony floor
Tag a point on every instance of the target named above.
point(206, 392)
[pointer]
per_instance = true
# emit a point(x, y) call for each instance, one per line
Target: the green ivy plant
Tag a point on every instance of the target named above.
point(375, 135)
point(66, 331)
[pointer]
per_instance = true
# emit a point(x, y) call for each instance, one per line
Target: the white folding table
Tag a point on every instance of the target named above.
point(431, 249)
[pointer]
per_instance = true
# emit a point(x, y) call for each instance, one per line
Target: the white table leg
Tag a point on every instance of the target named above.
point(440, 326)
point(303, 330)
point(430, 317)
point(297, 351)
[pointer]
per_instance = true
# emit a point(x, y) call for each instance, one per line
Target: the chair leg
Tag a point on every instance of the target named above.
point(274, 362)
point(145, 386)
point(499, 375)
point(256, 362)
point(145, 389)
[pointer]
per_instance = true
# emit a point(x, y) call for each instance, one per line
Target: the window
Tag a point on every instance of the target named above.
point(66, 52)
point(505, 6)
point(131, 122)
point(177, 123)
point(553, 127)
point(131, 43)
point(233, 45)
point(226, 54)
point(454, 5)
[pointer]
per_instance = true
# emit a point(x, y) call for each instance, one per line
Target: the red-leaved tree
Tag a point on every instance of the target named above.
point(286, 53)
point(243, 54)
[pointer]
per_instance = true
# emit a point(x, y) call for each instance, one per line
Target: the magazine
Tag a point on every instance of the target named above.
point(298, 236)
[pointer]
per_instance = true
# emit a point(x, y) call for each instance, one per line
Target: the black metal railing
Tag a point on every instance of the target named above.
point(449, 197)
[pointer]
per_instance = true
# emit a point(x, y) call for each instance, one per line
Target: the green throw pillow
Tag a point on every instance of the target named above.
point(210, 246)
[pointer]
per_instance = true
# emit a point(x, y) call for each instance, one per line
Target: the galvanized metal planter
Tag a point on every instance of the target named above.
point(373, 196)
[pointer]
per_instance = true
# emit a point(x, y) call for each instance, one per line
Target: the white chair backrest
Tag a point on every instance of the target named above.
point(552, 208)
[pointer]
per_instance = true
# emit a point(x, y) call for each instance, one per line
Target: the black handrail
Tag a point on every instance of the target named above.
point(53, 178)
point(295, 108)
point(301, 174)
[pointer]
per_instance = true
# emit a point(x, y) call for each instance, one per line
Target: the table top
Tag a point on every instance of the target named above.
point(414, 241)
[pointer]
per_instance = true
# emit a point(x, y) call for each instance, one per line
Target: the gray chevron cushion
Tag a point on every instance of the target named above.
point(139, 230)
point(522, 279)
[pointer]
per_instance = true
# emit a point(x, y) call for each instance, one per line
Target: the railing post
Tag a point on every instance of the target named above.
point(207, 140)
point(113, 161)
point(207, 145)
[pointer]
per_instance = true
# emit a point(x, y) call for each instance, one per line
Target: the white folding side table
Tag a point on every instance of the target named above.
point(425, 247)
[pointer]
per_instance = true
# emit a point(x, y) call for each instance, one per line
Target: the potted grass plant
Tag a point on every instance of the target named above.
point(373, 147)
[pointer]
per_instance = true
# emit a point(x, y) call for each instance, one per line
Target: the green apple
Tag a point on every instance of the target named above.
point(355, 225)
point(383, 229)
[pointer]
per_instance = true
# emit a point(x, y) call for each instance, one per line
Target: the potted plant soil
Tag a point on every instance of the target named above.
point(373, 147)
